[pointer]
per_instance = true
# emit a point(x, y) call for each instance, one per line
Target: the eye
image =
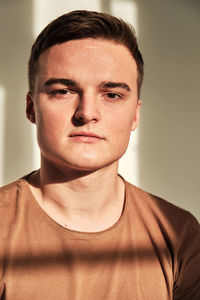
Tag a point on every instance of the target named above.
point(60, 92)
point(113, 96)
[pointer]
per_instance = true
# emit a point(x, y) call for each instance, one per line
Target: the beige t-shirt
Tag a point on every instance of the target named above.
point(151, 253)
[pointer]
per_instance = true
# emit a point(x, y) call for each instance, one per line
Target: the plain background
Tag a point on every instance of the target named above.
point(164, 154)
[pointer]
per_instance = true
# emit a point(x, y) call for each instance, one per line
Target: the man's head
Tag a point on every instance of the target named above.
point(83, 24)
point(85, 70)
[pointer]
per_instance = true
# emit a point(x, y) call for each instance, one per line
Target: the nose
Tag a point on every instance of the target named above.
point(88, 108)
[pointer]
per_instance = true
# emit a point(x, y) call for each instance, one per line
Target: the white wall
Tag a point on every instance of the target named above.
point(163, 156)
point(169, 143)
point(16, 142)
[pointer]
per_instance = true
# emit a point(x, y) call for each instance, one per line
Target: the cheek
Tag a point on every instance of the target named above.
point(121, 134)
point(51, 126)
point(50, 117)
point(121, 130)
point(123, 123)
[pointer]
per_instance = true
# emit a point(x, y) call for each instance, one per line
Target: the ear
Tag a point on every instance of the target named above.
point(30, 112)
point(137, 116)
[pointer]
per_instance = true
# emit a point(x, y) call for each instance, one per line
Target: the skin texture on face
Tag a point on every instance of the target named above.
point(84, 104)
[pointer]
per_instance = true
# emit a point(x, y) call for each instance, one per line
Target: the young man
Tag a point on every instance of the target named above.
point(75, 229)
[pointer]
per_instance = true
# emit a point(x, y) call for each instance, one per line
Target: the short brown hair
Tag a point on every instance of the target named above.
point(81, 24)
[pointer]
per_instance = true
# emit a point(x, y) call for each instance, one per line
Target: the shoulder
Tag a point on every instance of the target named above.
point(158, 207)
point(181, 232)
point(10, 197)
point(177, 225)
point(10, 190)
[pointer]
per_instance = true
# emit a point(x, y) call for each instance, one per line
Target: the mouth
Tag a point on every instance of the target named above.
point(86, 137)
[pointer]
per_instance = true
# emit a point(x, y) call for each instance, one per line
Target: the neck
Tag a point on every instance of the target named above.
point(85, 201)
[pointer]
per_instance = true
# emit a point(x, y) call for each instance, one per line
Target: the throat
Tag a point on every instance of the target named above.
point(85, 210)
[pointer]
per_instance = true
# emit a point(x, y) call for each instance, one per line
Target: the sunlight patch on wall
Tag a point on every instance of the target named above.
point(129, 163)
point(36, 150)
point(2, 130)
point(127, 10)
point(47, 10)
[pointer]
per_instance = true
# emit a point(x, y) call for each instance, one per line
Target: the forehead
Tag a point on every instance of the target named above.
point(82, 57)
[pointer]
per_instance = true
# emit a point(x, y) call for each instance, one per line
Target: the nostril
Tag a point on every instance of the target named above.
point(79, 116)
point(78, 121)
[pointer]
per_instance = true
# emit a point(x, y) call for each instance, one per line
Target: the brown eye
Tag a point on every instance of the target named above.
point(113, 95)
point(60, 92)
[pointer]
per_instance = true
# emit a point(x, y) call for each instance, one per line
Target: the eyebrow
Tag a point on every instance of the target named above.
point(113, 84)
point(64, 81)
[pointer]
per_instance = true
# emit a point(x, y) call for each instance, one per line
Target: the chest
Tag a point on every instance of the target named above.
point(44, 263)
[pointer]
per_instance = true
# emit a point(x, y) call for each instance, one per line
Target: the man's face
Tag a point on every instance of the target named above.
point(84, 103)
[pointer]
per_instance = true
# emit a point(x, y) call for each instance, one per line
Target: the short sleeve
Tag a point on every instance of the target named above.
point(187, 277)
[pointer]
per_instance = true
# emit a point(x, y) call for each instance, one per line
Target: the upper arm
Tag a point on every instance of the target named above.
point(187, 281)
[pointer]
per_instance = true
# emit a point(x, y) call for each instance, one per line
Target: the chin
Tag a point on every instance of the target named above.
point(79, 162)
